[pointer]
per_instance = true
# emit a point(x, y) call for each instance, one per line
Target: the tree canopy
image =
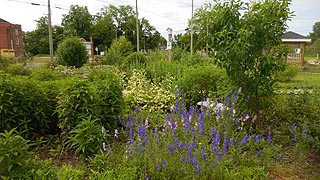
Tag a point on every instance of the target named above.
point(244, 37)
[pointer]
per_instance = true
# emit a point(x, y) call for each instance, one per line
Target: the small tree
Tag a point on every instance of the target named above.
point(72, 52)
point(244, 37)
point(120, 48)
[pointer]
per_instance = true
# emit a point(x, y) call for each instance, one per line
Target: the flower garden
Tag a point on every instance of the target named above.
point(113, 122)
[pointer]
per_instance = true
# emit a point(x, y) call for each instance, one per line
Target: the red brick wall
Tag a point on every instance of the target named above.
point(4, 36)
point(11, 36)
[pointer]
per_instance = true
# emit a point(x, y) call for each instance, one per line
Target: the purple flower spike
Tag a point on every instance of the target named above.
point(176, 107)
point(245, 138)
point(212, 133)
point(293, 127)
point(198, 168)
point(164, 164)
point(257, 138)
point(219, 156)
point(225, 146)
point(304, 130)
point(234, 97)
point(179, 92)
point(227, 100)
point(269, 137)
point(158, 166)
point(203, 154)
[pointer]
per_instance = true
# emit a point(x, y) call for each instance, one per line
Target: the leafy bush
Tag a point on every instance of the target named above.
point(202, 82)
point(287, 75)
point(69, 172)
point(135, 60)
point(120, 48)
point(44, 74)
point(95, 99)
point(86, 138)
point(151, 96)
point(72, 52)
point(14, 151)
point(24, 105)
point(157, 55)
point(75, 102)
point(159, 70)
point(4, 63)
point(17, 69)
point(195, 59)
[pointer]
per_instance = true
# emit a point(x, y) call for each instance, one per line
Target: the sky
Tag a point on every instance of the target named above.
point(161, 14)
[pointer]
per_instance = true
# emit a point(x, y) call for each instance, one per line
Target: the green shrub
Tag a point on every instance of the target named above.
point(69, 172)
point(17, 69)
point(24, 105)
point(159, 70)
point(108, 100)
point(4, 62)
point(86, 138)
point(75, 103)
point(287, 75)
point(120, 48)
point(14, 151)
point(157, 55)
point(196, 59)
point(202, 82)
point(141, 92)
point(135, 60)
point(113, 57)
point(72, 52)
point(44, 74)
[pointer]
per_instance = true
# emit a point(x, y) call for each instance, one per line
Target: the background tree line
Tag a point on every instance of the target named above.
point(107, 25)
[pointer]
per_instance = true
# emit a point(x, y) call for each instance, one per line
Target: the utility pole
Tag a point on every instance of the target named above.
point(137, 23)
point(191, 31)
point(50, 32)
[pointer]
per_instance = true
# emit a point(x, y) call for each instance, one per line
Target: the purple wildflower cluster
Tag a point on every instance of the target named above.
point(184, 140)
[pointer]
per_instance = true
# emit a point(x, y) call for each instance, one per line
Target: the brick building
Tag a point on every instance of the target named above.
point(11, 37)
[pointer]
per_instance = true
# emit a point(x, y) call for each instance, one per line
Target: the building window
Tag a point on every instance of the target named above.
point(17, 31)
point(17, 42)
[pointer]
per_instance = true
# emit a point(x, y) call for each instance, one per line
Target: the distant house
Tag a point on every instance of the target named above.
point(294, 38)
point(11, 38)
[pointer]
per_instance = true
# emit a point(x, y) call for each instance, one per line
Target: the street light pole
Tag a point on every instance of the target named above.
point(137, 24)
point(50, 32)
point(191, 31)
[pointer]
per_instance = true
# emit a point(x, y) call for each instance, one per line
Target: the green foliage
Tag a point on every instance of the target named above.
point(75, 103)
point(159, 70)
point(4, 63)
point(157, 55)
point(195, 59)
point(37, 41)
point(78, 22)
point(202, 82)
point(314, 48)
point(17, 69)
point(25, 105)
point(44, 73)
point(245, 44)
point(315, 32)
point(99, 99)
point(69, 172)
point(14, 151)
point(72, 52)
point(135, 60)
point(288, 74)
point(120, 48)
point(108, 100)
point(86, 138)
point(141, 92)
